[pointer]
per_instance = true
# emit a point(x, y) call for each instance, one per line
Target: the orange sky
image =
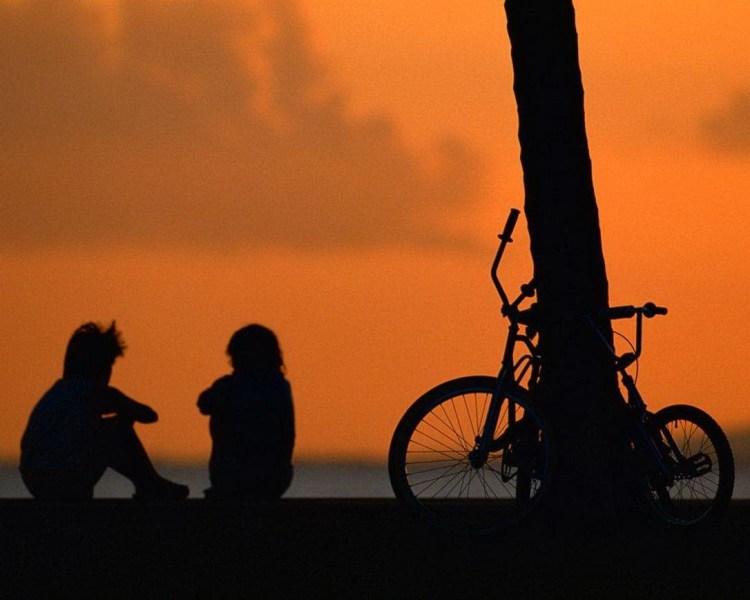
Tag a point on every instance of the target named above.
point(338, 171)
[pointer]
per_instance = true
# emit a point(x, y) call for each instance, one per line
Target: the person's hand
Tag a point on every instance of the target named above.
point(116, 402)
point(146, 414)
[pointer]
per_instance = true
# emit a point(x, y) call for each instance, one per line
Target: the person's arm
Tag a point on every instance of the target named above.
point(114, 401)
point(212, 398)
point(206, 402)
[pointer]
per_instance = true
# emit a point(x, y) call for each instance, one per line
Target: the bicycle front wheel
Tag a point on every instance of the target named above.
point(699, 478)
point(435, 470)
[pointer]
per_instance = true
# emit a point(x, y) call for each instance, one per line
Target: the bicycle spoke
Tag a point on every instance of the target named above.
point(430, 466)
point(460, 477)
point(499, 478)
point(482, 474)
point(485, 407)
point(442, 445)
point(438, 452)
point(455, 439)
point(448, 475)
point(460, 425)
point(698, 455)
point(474, 429)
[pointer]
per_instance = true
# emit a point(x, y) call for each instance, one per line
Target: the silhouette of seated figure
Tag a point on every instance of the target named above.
point(252, 421)
point(82, 426)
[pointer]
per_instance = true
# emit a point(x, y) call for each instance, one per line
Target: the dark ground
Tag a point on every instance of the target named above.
point(351, 549)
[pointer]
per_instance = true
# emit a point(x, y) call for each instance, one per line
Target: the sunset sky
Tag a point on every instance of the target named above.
point(338, 171)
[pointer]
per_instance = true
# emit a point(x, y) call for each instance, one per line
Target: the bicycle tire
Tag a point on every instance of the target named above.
point(701, 488)
point(432, 475)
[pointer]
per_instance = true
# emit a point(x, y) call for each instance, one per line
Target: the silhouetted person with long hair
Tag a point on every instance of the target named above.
point(252, 421)
point(82, 426)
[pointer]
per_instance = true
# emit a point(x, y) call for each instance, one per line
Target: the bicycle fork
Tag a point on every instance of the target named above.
point(486, 442)
point(672, 462)
point(668, 463)
point(516, 454)
point(646, 435)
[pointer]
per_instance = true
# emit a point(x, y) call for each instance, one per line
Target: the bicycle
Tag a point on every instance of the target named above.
point(475, 454)
point(682, 458)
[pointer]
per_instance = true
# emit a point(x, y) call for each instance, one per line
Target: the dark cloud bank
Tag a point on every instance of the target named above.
point(194, 122)
point(728, 131)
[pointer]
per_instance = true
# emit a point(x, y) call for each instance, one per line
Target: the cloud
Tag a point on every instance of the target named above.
point(211, 123)
point(729, 131)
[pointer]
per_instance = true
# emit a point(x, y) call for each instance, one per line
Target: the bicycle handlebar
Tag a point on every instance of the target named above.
point(510, 225)
point(505, 239)
point(648, 310)
point(651, 310)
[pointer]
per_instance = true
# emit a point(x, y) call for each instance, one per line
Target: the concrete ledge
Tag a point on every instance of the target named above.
point(350, 549)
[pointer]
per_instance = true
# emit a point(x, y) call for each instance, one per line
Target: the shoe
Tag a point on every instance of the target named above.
point(162, 489)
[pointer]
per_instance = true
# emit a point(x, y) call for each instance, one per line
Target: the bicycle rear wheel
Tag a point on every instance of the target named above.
point(434, 474)
point(700, 481)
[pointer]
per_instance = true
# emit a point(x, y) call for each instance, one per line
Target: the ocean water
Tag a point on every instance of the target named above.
point(311, 480)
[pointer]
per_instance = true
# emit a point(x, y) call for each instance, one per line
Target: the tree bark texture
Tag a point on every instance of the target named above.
point(578, 391)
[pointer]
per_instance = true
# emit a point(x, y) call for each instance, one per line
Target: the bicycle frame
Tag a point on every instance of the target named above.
point(638, 406)
point(475, 454)
point(634, 400)
point(511, 371)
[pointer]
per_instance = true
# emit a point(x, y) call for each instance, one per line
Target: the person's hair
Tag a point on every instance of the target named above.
point(92, 351)
point(255, 348)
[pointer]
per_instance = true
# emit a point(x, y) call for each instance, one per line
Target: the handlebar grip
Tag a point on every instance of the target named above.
point(650, 310)
point(618, 312)
point(510, 224)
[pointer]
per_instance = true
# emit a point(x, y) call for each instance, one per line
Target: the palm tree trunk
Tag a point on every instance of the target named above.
point(578, 391)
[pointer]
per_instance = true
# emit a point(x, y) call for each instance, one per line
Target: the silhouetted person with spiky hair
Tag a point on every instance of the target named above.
point(82, 426)
point(252, 421)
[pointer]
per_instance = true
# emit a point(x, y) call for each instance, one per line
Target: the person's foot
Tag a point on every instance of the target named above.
point(162, 489)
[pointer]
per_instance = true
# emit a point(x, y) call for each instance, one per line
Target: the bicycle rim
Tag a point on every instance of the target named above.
point(430, 464)
point(699, 486)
